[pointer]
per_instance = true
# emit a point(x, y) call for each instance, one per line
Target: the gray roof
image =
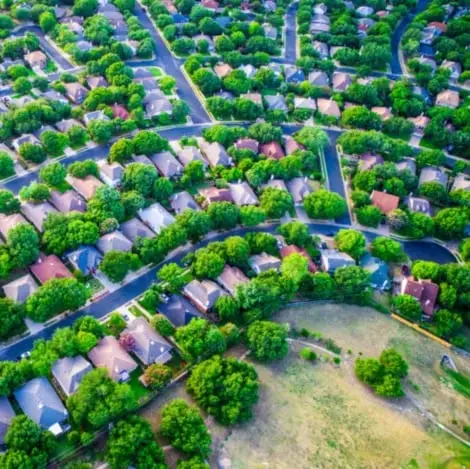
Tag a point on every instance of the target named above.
point(242, 194)
point(190, 153)
point(40, 403)
point(69, 372)
point(85, 259)
point(114, 241)
point(157, 106)
point(20, 289)
point(149, 347)
point(408, 164)
point(418, 204)
point(215, 153)
point(156, 217)
point(8, 222)
point(183, 201)
point(461, 182)
point(262, 262)
point(68, 201)
point(133, 229)
point(6, 415)
point(332, 259)
point(167, 164)
point(178, 310)
point(231, 277)
point(299, 188)
point(37, 213)
point(203, 293)
point(276, 102)
point(430, 174)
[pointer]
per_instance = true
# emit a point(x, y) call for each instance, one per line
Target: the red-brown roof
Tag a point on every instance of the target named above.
point(424, 291)
point(384, 202)
point(120, 111)
point(437, 24)
point(210, 4)
point(248, 143)
point(212, 194)
point(291, 145)
point(293, 249)
point(272, 150)
point(49, 267)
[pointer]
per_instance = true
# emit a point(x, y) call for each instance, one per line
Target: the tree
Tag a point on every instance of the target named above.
point(447, 323)
point(352, 282)
point(23, 242)
point(132, 201)
point(99, 400)
point(195, 223)
point(53, 174)
point(199, 339)
point(157, 376)
point(9, 204)
point(267, 340)
point(121, 151)
point(251, 215)
point(106, 203)
point(54, 143)
point(408, 306)
point(295, 267)
point(433, 191)
point(82, 169)
point(393, 363)
point(208, 82)
point(139, 177)
point(7, 165)
point(33, 153)
point(276, 202)
point(84, 7)
point(426, 270)
point(117, 264)
point(351, 242)
point(207, 264)
point(147, 142)
point(35, 192)
point(184, 427)
point(324, 204)
point(173, 275)
point(195, 462)
point(430, 158)
point(262, 242)
point(131, 443)
point(227, 309)
point(450, 223)
point(369, 216)
point(225, 388)
point(22, 86)
point(265, 132)
point(54, 297)
point(369, 371)
point(11, 318)
point(224, 215)
point(101, 131)
point(294, 232)
point(162, 189)
point(387, 249)
point(237, 251)
point(162, 325)
point(312, 138)
point(361, 117)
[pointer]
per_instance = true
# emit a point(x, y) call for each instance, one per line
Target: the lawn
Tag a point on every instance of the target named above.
point(138, 389)
point(156, 72)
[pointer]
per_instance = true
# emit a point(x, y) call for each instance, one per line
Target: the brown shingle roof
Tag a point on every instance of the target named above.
point(384, 202)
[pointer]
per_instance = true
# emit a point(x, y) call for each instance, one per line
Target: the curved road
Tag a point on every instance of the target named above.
point(425, 250)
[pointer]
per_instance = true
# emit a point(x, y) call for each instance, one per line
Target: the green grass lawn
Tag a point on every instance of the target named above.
point(138, 389)
point(94, 285)
point(136, 311)
point(156, 72)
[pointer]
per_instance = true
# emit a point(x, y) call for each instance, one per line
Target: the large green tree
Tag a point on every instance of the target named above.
point(267, 340)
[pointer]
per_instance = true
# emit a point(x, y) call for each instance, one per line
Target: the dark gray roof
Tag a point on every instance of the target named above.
point(6, 415)
point(178, 310)
point(69, 372)
point(133, 229)
point(21, 288)
point(86, 259)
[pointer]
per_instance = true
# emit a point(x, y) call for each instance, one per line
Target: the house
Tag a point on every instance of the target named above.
point(114, 241)
point(167, 164)
point(291, 145)
point(155, 105)
point(86, 187)
point(68, 201)
point(212, 194)
point(318, 78)
point(53, 95)
point(269, 31)
point(230, 278)
point(94, 116)
point(110, 355)
point(203, 294)
point(134, 229)
point(190, 153)
point(276, 183)
point(37, 213)
point(69, 372)
point(322, 49)
point(242, 194)
point(26, 138)
point(293, 74)
point(6, 416)
point(369, 161)
point(249, 70)
point(276, 102)
point(328, 107)
point(431, 174)
point(454, 67)
point(428, 62)
point(420, 123)
point(76, 92)
point(299, 188)
point(20, 289)
point(317, 28)
point(341, 81)
point(305, 103)
point(407, 164)
point(365, 11)
point(293, 249)
point(120, 112)
point(384, 202)
point(363, 24)
point(178, 310)
point(156, 217)
point(42, 405)
point(49, 267)
point(110, 173)
point(84, 46)
point(96, 82)
point(320, 9)
point(331, 259)
point(85, 259)
point(182, 201)
point(36, 60)
point(210, 4)
point(222, 70)
point(8, 222)
point(418, 204)
point(424, 291)
point(461, 182)
point(263, 262)
point(254, 97)
point(215, 153)
point(448, 98)
point(384, 112)
point(272, 150)
point(378, 271)
point(247, 144)
point(149, 346)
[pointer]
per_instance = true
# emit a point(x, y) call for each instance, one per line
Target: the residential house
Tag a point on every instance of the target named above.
point(213, 194)
point(149, 346)
point(68, 201)
point(94, 116)
point(110, 355)
point(156, 217)
point(384, 202)
point(293, 74)
point(26, 138)
point(156, 104)
point(420, 123)
point(341, 81)
point(276, 102)
point(424, 291)
point(42, 405)
point(96, 82)
point(269, 31)
point(291, 145)
point(293, 249)
point(428, 62)
point(190, 153)
point(454, 67)
point(249, 70)
point(263, 262)
point(48, 267)
point(53, 95)
point(37, 213)
point(418, 204)
point(37, 60)
point(182, 201)
point(167, 164)
point(247, 144)
point(21, 289)
point(134, 229)
point(86, 187)
point(378, 271)
point(222, 70)
point(76, 92)
point(318, 78)
point(110, 173)
point(85, 259)
point(320, 9)
point(84, 46)
point(369, 161)
point(69, 372)
point(178, 310)
point(66, 124)
point(114, 241)
point(299, 188)
point(322, 49)
point(215, 153)
point(461, 182)
point(365, 11)
point(272, 150)
point(328, 107)
point(230, 278)
point(242, 194)
point(8, 222)
point(317, 28)
point(331, 259)
point(210, 4)
point(384, 112)
point(276, 183)
point(448, 98)
point(254, 97)
point(119, 112)
point(305, 103)
point(6, 416)
point(203, 294)
point(431, 174)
